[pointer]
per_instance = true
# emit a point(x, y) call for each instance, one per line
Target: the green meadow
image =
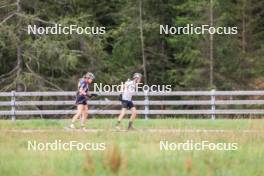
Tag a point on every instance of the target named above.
point(133, 152)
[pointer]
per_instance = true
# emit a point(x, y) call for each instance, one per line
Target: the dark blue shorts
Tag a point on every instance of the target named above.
point(127, 104)
point(81, 99)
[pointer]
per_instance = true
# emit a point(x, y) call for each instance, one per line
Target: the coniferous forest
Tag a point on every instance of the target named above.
point(209, 52)
point(131, 43)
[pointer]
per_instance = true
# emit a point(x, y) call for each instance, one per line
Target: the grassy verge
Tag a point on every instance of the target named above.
point(133, 153)
point(140, 123)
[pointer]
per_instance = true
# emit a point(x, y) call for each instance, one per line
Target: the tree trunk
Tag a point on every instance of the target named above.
point(19, 86)
point(211, 46)
point(243, 27)
point(142, 42)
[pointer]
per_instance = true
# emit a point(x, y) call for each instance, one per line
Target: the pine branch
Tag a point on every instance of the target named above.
point(7, 18)
point(8, 5)
point(35, 18)
point(40, 77)
point(9, 73)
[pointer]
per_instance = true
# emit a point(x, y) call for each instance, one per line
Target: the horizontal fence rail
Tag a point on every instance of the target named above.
point(175, 93)
point(211, 99)
point(150, 103)
point(150, 112)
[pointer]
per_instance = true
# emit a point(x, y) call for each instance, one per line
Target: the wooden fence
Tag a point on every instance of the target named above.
point(209, 99)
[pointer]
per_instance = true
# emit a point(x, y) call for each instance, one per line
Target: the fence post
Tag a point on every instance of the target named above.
point(213, 104)
point(13, 105)
point(146, 103)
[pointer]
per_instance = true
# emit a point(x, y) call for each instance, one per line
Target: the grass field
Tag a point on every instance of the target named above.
point(133, 153)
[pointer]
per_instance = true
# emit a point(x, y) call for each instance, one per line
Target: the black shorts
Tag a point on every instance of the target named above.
point(81, 99)
point(127, 104)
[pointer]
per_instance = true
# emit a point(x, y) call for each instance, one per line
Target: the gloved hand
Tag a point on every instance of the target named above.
point(120, 97)
point(92, 95)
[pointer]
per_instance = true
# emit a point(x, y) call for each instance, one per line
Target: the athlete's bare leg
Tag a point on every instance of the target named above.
point(84, 115)
point(77, 115)
point(122, 114)
point(120, 117)
point(133, 113)
point(132, 117)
